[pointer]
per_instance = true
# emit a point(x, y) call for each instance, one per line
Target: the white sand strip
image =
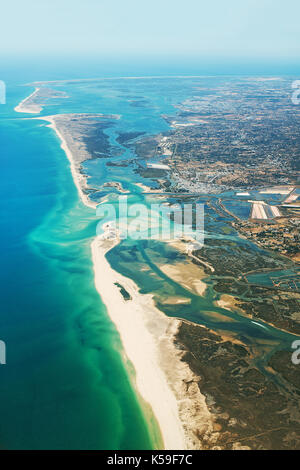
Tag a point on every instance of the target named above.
point(78, 178)
point(134, 319)
point(32, 108)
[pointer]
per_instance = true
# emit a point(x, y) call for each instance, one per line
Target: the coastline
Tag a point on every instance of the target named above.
point(79, 179)
point(134, 320)
point(148, 337)
point(160, 374)
point(30, 109)
point(161, 378)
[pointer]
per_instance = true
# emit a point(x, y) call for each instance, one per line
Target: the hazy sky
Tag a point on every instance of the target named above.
point(218, 28)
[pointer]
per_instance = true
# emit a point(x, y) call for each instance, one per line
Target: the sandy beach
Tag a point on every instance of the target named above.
point(26, 107)
point(79, 179)
point(148, 339)
point(140, 332)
